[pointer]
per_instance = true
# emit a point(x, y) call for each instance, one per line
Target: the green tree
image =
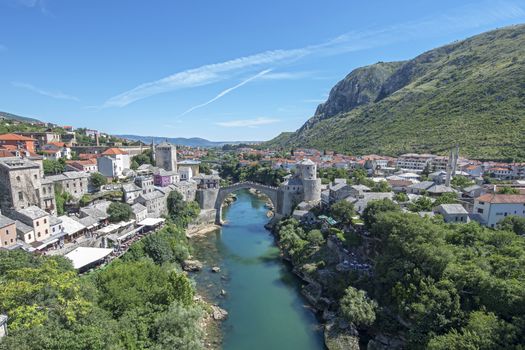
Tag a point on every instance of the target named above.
point(446, 198)
point(401, 197)
point(423, 203)
point(508, 190)
point(357, 308)
point(343, 211)
point(315, 237)
point(119, 212)
point(460, 181)
point(513, 223)
point(375, 207)
point(98, 180)
point(53, 167)
point(381, 186)
point(205, 168)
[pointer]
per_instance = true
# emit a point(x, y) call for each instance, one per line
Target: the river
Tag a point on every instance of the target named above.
point(266, 310)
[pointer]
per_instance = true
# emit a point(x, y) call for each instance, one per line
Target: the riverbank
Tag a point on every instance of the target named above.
point(317, 262)
point(260, 293)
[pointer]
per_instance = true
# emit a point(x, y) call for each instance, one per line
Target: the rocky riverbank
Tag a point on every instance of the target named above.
point(338, 333)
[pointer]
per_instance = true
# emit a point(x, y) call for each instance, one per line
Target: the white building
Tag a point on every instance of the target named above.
point(113, 162)
point(414, 161)
point(492, 208)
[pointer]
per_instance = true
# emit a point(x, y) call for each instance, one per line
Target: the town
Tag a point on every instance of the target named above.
point(89, 196)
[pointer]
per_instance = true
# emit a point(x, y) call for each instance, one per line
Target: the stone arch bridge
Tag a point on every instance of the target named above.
point(272, 192)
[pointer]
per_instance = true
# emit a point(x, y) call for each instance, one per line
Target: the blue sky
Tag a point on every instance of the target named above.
point(222, 70)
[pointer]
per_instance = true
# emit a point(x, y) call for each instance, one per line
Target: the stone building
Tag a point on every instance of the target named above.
point(155, 202)
point(7, 232)
point(145, 183)
point(22, 185)
point(303, 186)
point(73, 182)
point(35, 218)
point(166, 156)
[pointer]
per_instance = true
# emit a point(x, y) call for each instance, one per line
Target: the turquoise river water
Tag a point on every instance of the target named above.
point(266, 310)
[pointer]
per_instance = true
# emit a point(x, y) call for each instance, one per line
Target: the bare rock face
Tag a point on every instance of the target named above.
point(340, 335)
point(192, 265)
point(362, 86)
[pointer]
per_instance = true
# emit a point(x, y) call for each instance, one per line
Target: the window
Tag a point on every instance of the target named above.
point(18, 178)
point(38, 234)
point(47, 231)
point(480, 210)
point(5, 242)
point(6, 232)
point(45, 221)
point(29, 236)
point(20, 196)
point(38, 223)
point(36, 177)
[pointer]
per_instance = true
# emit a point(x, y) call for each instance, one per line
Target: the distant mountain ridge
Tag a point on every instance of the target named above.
point(18, 118)
point(190, 142)
point(470, 92)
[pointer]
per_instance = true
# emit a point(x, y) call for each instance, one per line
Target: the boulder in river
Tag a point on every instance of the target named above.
point(218, 313)
point(192, 265)
point(216, 269)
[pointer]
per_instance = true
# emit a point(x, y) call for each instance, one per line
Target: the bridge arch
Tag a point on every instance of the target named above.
point(270, 191)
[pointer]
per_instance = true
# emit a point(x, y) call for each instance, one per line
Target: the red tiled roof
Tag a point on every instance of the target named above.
point(15, 137)
point(502, 198)
point(113, 151)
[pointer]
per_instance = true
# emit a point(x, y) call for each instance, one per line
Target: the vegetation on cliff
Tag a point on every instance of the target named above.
point(469, 93)
point(432, 285)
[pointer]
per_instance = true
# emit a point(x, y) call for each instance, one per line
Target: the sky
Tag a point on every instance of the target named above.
point(222, 70)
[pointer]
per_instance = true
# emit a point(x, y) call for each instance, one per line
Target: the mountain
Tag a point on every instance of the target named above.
point(11, 116)
point(470, 92)
point(190, 142)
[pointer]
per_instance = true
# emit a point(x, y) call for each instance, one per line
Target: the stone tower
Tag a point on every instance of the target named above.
point(166, 156)
point(311, 184)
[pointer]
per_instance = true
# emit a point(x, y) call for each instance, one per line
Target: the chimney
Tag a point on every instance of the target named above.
point(96, 139)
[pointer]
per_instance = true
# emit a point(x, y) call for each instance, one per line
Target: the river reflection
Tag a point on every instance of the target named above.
point(262, 297)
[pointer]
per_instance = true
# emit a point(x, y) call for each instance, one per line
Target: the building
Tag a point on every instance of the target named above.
point(166, 156)
point(207, 181)
point(361, 203)
point(18, 141)
point(420, 187)
point(89, 165)
point(7, 232)
point(145, 183)
point(56, 150)
point(303, 186)
point(113, 162)
point(414, 162)
point(35, 218)
point(131, 192)
point(453, 213)
point(155, 202)
point(55, 225)
point(188, 168)
point(42, 138)
point(21, 185)
point(492, 208)
point(73, 182)
point(140, 212)
point(164, 178)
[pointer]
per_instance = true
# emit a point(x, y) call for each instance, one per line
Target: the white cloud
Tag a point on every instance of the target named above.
point(54, 94)
point(463, 17)
point(227, 91)
point(287, 75)
point(247, 123)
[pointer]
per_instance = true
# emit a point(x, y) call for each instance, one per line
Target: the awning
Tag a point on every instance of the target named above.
point(84, 256)
point(151, 221)
point(116, 238)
